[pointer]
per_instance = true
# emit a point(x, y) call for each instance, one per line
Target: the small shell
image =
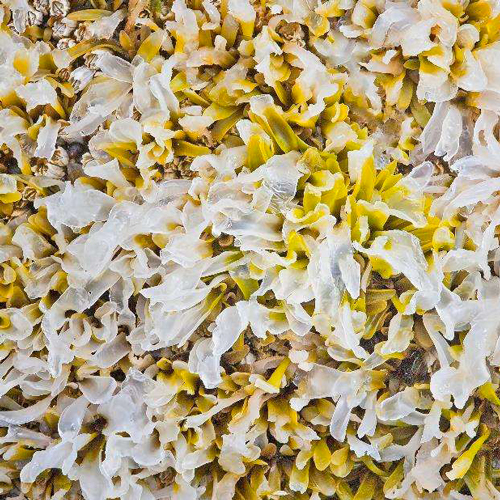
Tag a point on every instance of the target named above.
point(65, 43)
point(226, 240)
point(59, 8)
point(60, 157)
point(34, 18)
point(91, 59)
point(41, 6)
point(64, 74)
point(29, 194)
point(82, 32)
point(50, 170)
point(63, 28)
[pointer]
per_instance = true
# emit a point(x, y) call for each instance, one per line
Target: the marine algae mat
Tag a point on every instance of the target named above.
point(249, 249)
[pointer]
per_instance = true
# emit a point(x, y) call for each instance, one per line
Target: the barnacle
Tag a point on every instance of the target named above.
point(249, 250)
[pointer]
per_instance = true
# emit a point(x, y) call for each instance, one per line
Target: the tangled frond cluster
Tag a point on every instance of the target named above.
point(249, 249)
